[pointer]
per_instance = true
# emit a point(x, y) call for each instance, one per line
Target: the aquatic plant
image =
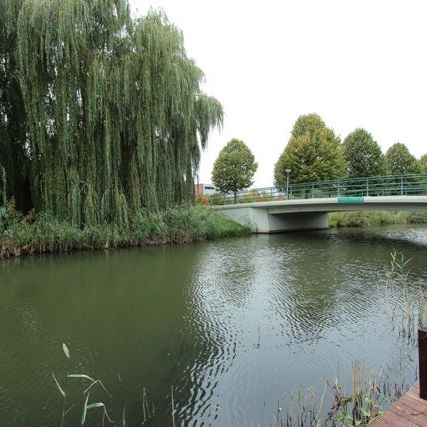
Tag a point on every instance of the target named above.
point(340, 405)
point(406, 303)
point(86, 393)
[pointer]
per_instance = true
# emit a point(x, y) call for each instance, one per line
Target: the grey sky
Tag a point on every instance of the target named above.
point(357, 63)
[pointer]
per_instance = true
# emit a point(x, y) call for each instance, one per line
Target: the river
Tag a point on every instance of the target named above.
point(233, 325)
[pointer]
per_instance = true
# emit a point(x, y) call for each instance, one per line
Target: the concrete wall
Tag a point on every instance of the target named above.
point(298, 221)
point(259, 220)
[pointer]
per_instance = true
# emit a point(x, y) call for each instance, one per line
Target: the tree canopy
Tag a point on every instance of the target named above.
point(234, 168)
point(423, 163)
point(400, 161)
point(363, 155)
point(109, 112)
point(313, 153)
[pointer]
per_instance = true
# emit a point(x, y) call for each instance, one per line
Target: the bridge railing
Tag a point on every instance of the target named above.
point(391, 185)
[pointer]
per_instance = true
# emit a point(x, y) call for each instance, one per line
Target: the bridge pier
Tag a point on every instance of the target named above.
point(259, 220)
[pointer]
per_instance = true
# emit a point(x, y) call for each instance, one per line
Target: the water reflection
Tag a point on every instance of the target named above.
point(301, 305)
point(232, 325)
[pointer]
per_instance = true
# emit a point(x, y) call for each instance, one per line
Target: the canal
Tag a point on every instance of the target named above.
point(233, 325)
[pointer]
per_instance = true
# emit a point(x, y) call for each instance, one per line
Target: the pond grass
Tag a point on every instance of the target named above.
point(373, 219)
point(37, 234)
point(353, 399)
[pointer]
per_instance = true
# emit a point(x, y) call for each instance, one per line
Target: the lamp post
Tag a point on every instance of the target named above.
point(288, 171)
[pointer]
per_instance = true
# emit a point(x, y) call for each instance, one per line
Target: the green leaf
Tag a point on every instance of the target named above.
point(85, 410)
point(87, 377)
point(59, 387)
point(95, 405)
point(366, 413)
point(66, 351)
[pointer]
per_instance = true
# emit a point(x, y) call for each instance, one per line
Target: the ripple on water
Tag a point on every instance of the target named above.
point(260, 317)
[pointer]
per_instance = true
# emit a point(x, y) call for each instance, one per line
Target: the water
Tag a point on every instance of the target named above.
point(233, 325)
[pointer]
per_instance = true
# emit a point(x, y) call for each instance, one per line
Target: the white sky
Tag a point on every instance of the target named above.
point(357, 63)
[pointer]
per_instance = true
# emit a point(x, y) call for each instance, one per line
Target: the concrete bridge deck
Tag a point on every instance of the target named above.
point(312, 214)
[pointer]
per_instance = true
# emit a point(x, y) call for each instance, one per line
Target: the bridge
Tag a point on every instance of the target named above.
point(306, 206)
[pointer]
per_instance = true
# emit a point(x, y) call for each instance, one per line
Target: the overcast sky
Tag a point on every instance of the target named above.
point(357, 63)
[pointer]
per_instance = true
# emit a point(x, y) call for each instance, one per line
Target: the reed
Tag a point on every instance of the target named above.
point(31, 234)
point(374, 219)
point(340, 405)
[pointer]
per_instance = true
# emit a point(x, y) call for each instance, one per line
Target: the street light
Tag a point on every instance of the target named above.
point(288, 171)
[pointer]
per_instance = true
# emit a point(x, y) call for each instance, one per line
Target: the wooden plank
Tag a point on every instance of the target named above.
point(409, 411)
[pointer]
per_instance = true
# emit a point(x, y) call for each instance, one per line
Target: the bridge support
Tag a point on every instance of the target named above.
point(259, 220)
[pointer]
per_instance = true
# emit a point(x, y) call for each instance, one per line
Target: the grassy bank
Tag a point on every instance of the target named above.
point(23, 235)
point(372, 219)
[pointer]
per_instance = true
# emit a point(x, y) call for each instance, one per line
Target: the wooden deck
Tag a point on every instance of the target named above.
point(408, 411)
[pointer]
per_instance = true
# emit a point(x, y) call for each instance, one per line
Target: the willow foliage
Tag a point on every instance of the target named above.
point(13, 126)
point(116, 118)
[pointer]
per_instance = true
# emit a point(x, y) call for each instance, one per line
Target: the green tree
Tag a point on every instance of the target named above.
point(313, 153)
point(234, 168)
point(14, 159)
point(363, 155)
point(400, 161)
point(103, 112)
point(423, 163)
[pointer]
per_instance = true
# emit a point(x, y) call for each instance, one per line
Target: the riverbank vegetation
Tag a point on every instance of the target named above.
point(37, 234)
point(349, 399)
point(373, 219)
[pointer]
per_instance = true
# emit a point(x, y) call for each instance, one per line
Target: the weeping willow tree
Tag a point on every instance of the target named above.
point(115, 115)
point(14, 160)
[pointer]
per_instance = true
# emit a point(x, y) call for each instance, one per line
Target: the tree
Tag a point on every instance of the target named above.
point(423, 163)
point(400, 161)
point(106, 110)
point(14, 160)
point(363, 155)
point(313, 153)
point(234, 168)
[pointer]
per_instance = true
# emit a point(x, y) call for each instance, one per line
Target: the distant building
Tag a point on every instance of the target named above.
point(204, 189)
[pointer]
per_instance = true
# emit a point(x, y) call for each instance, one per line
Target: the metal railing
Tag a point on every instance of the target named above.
point(398, 185)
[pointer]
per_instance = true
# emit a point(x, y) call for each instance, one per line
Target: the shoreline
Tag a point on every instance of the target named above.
point(361, 219)
point(28, 236)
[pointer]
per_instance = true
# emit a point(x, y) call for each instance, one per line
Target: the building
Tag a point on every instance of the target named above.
point(204, 189)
